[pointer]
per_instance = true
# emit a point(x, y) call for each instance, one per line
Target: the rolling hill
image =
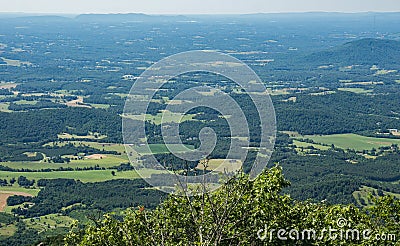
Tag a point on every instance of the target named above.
point(366, 51)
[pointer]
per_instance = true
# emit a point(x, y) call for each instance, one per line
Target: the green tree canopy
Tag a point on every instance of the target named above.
point(243, 212)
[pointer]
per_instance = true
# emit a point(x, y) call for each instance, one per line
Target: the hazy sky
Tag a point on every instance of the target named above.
point(196, 6)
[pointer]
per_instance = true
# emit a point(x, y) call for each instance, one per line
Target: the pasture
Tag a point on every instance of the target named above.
point(353, 141)
point(300, 144)
point(73, 136)
point(364, 192)
point(84, 176)
point(25, 102)
point(222, 165)
point(8, 191)
point(165, 116)
point(102, 106)
point(120, 148)
point(50, 221)
point(356, 90)
point(106, 161)
point(161, 149)
point(4, 107)
point(7, 230)
point(15, 189)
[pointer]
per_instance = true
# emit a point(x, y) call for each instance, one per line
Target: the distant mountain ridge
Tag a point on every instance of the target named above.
point(127, 17)
point(44, 18)
point(98, 18)
point(367, 51)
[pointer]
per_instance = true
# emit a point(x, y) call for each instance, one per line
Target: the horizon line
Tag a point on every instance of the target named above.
point(175, 14)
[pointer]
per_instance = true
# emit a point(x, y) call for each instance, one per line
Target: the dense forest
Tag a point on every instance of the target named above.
point(106, 196)
point(44, 125)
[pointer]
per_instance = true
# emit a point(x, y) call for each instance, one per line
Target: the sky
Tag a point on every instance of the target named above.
point(197, 6)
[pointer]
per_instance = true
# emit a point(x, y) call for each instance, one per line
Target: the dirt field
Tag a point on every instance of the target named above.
point(96, 157)
point(77, 103)
point(7, 85)
point(394, 133)
point(5, 194)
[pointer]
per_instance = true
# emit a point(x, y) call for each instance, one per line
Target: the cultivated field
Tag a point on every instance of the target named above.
point(7, 85)
point(73, 136)
point(300, 144)
point(105, 161)
point(15, 63)
point(356, 90)
point(77, 103)
point(165, 117)
point(161, 148)
point(106, 146)
point(16, 188)
point(6, 192)
point(353, 141)
point(222, 165)
point(97, 105)
point(84, 176)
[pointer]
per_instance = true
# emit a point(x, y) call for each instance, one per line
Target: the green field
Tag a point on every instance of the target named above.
point(84, 176)
point(168, 116)
point(106, 162)
point(5, 191)
point(165, 116)
point(120, 148)
point(7, 230)
point(103, 106)
point(8, 209)
point(300, 144)
point(161, 148)
point(50, 221)
point(364, 192)
point(356, 90)
point(353, 141)
point(222, 165)
point(73, 136)
point(4, 107)
point(16, 188)
point(25, 102)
